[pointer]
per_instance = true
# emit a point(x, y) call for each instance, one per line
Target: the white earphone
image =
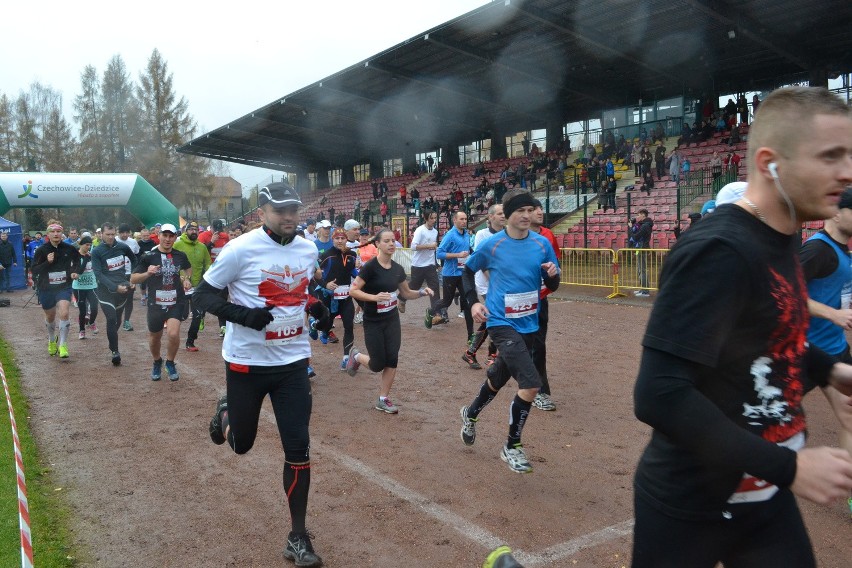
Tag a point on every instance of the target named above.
point(773, 170)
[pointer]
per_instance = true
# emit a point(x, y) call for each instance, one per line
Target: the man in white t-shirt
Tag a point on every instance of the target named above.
point(424, 264)
point(310, 230)
point(352, 228)
point(266, 348)
point(496, 223)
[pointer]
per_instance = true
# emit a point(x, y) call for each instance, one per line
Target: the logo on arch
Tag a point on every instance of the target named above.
point(28, 190)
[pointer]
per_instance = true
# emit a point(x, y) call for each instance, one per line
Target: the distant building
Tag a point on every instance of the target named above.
point(224, 201)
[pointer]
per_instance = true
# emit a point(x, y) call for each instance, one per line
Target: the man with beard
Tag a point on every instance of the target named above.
point(199, 258)
point(266, 348)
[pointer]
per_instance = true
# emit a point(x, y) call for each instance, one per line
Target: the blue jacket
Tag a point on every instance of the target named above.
point(453, 242)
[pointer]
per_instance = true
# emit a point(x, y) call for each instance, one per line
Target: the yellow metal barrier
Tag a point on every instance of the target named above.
point(587, 267)
point(638, 269)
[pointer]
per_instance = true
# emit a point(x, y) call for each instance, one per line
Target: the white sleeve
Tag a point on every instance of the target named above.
point(417, 239)
point(226, 269)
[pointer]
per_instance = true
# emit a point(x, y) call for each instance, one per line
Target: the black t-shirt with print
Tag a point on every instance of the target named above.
point(732, 307)
point(165, 288)
point(378, 279)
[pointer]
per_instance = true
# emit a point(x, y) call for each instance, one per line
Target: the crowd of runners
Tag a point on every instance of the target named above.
point(720, 478)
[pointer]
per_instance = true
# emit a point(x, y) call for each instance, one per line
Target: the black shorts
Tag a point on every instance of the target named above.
point(48, 299)
point(157, 316)
point(383, 338)
point(514, 358)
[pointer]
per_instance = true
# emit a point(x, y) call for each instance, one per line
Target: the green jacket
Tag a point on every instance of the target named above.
point(199, 257)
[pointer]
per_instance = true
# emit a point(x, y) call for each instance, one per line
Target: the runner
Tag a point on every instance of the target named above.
point(542, 399)
point(215, 239)
point(55, 265)
point(199, 257)
point(378, 286)
point(338, 269)
point(85, 285)
point(726, 360)
point(454, 250)
point(265, 349)
point(496, 223)
point(167, 272)
point(517, 260)
point(146, 244)
point(367, 251)
point(424, 243)
point(125, 239)
point(108, 259)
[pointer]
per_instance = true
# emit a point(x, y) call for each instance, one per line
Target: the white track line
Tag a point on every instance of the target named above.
point(461, 525)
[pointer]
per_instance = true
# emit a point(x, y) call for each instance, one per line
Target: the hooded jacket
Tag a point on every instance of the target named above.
point(199, 257)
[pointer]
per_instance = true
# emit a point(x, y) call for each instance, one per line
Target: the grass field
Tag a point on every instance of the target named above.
point(49, 514)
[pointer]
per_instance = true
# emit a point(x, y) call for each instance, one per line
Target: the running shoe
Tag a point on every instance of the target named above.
point(359, 317)
point(82, 335)
point(516, 458)
point(215, 429)
point(312, 330)
point(401, 306)
point(311, 372)
point(642, 293)
point(343, 362)
point(427, 321)
point(352, 363)
point(460, 315)
point(144, 301)
point(323, 338)
point(468, 430)
point(300, 549)
point(116, 358)
point(501, 558)
point(542, 402)
point(190, 346)
point(128, 326)
point(52, 348)
point(171, 369)
point(331, 337)
point(157, 370)
point(385, 405)
point(93, 327)
point(470, 359)
point(63, 351)
point(222, 330)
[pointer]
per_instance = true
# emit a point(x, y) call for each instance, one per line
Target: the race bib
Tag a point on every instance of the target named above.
point(383, 307)
point(166, 297)
point(521, 305)
point(341, 292)
point(283, 329)
point(115, 263)
point(57, 277)
point(461, 262)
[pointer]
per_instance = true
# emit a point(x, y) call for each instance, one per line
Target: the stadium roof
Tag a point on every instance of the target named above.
point(513, 66)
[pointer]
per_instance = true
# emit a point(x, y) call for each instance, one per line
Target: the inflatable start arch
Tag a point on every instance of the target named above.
point(50, 190)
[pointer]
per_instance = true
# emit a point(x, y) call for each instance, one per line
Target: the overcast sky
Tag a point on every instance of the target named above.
point(227, 58)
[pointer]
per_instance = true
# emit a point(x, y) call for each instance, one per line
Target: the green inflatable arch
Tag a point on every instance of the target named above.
point(43, 190)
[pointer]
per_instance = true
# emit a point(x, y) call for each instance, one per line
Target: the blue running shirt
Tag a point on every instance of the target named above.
point(515, 274)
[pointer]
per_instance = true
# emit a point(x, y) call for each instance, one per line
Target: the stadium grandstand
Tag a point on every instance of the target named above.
point(520, 92)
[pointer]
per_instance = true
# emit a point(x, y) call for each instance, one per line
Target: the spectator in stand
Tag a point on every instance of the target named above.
point(647, 160)
point(403, 195)
point(609, 196)
point(375, 186)
point(721, 123)
point(730, 110)
point(674, 166)
point(647, 183)
point(685, 168)
point(716, 166)
point(638, 153)
point(643, 137)
point(383, 211)
point(430, 161)
point(732, 162)
point(660, 159)
point(755, 102)
point(742, 108)
point(685, 136)
point(735, 137)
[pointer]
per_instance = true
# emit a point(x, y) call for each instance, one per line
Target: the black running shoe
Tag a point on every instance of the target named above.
point(116, 358)
point(216, 433)
point(300, 549)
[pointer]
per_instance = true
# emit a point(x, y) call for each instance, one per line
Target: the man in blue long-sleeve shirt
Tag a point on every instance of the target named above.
point(453, 250)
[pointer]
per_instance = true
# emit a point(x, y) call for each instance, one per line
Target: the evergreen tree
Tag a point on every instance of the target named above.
point(166, 124)
point(119, 118)
point(7, 133)
point(58, 144)
point(88, 111)
point(25, 146)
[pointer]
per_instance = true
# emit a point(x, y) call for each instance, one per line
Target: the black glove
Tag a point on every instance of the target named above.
point(258, 318)
point(321, 315)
